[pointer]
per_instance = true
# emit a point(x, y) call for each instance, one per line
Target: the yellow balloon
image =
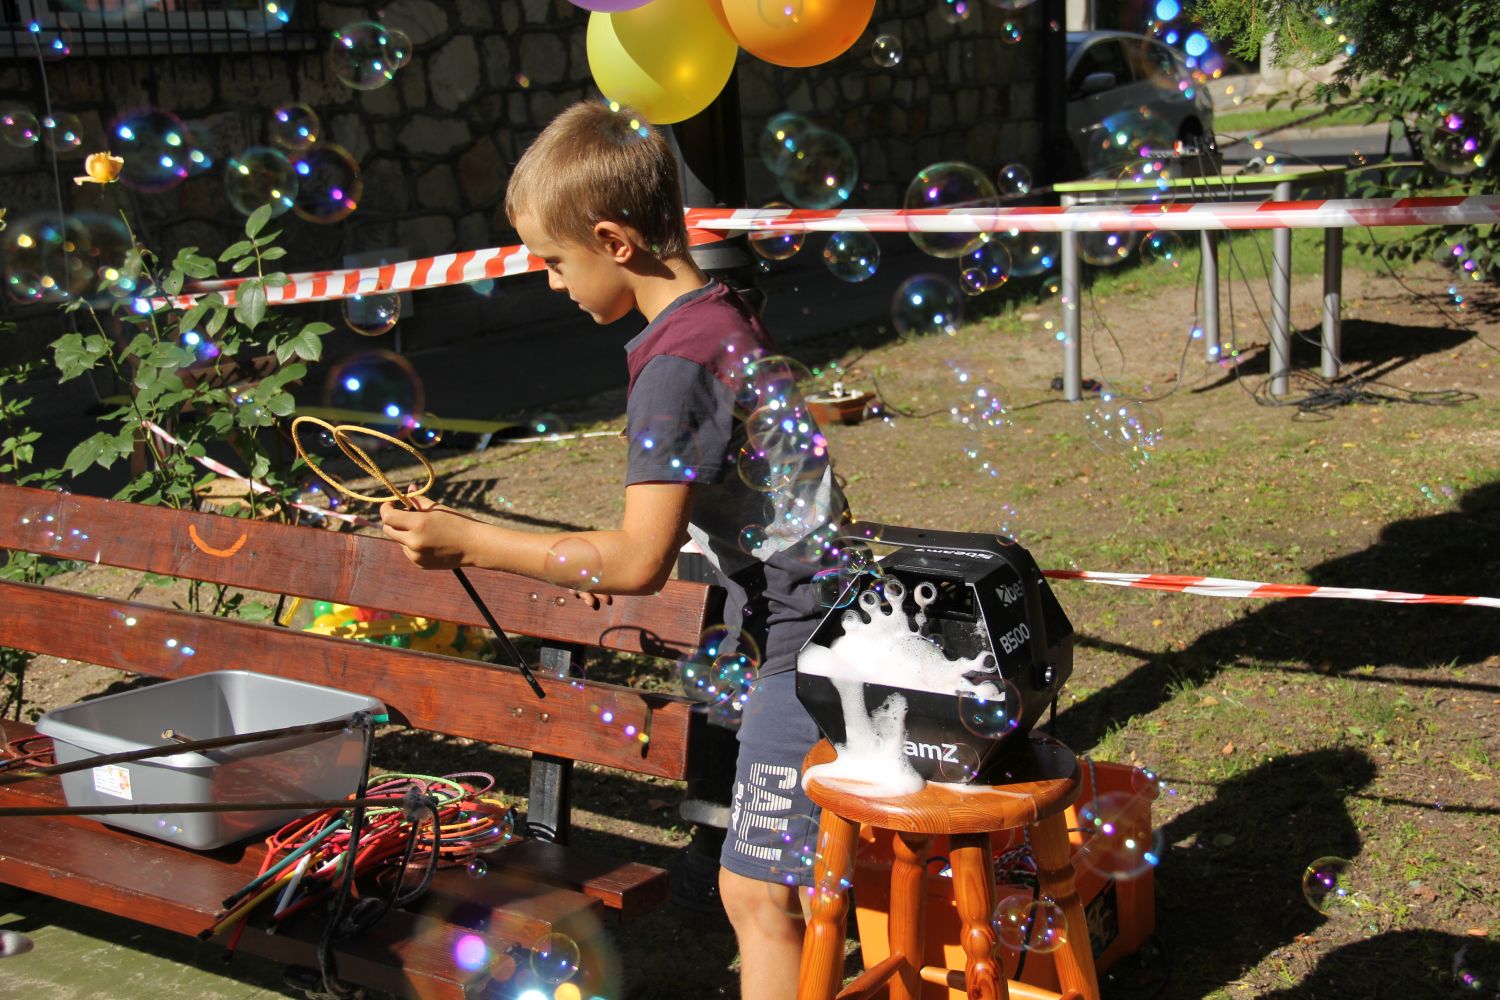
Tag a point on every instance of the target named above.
point(668, 59)
point(794, 32)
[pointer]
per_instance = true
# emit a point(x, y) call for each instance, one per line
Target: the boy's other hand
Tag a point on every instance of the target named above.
point(432, 535)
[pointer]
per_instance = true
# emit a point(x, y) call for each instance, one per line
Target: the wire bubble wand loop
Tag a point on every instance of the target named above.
point(362, 460)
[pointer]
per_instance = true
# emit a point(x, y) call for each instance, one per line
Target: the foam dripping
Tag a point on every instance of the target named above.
point(887, 649)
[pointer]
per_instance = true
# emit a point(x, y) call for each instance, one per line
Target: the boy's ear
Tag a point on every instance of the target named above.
point(615, 240)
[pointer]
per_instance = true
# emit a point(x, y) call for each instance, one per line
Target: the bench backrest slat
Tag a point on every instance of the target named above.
point(342, 567)
point(600, 723)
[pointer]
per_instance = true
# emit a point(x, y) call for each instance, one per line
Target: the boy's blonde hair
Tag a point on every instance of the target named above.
point(597, 163)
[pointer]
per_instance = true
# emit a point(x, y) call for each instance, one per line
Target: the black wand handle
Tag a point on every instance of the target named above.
point(489, 619)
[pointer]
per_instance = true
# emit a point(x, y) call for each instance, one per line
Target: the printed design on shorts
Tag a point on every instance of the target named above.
point(755, 804)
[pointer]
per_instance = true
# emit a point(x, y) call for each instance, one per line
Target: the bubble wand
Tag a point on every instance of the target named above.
point(362, 460)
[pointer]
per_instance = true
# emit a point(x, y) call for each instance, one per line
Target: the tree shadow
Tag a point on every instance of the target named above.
point(1230, 885)
point(1368, 351)
point(1454, 551)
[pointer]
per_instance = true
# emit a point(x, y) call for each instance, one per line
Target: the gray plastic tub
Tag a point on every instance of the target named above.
point(225, 703)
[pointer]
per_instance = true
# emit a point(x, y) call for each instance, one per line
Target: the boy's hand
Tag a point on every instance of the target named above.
point(432, 535)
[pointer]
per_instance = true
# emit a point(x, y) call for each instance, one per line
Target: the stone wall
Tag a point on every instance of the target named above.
point(435, 145)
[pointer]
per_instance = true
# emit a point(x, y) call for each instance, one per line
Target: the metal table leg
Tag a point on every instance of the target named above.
point(1071, 324)
point(1333, 287)
point(1281, 300)
point(1210, 248)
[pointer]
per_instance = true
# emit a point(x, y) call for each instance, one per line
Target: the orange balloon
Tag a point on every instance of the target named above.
point(794, 32)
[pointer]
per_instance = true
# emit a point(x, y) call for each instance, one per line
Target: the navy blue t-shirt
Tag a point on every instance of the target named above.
point(709, 403)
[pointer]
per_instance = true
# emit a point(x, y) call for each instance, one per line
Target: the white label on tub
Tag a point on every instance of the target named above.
point(112, 779)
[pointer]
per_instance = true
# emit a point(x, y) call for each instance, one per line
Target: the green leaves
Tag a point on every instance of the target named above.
point(307, 344)
point(257, 221)
point(250, 303)
point(103, 450)
point(74, 354)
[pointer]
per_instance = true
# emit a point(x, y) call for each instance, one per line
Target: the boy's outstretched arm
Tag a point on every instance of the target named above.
point(635, 558)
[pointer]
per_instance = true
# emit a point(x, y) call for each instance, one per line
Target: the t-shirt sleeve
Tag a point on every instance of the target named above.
point(680, 424)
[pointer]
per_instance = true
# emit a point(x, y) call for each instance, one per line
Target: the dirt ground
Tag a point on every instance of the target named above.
point(1283, 731)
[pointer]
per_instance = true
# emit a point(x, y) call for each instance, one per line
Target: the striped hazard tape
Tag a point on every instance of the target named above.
point(1213, 586)
point(710, 225)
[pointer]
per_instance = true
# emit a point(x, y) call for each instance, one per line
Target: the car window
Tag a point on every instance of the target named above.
point(1102, 57)
point(1157, 63)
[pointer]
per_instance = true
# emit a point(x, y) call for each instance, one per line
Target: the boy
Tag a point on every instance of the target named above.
point(720, 450)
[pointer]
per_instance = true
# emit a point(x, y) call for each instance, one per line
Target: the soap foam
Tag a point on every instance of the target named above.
point(889, 650)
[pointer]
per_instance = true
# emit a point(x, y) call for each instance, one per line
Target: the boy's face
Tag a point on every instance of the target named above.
point(594, 275)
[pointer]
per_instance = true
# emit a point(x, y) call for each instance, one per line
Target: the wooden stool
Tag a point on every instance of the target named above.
point(1042, 782)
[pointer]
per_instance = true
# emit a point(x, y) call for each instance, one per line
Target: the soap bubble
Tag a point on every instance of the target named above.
point(991, 715)
point(1013, 181)
point(20, 128)
point(54, 260)
point(1162, 246)
point(62, 133)
point(776, 244)
point(1105, 248)
point(155, 147)
point(554, 958)
point(477, 868)
point(1026, 924)
point(780, 140)
point(851, 256)
point(1125, 137)
point(772, 380)
point(380, 385)
point(372, 313)
point(470, 953)
point(1011, 32)
point(1118, 841)
point(1145, 180)
point(1456, 140)
point(1465, 976)
point(294, 127)
point(821, 173)
point(734, 675)
point(1124, 426)
point(949, 185)
point(359, 57)
point(397, 47)
point(986, 267)
point(502, 828)
point(1328, 886)
point(797, 844)
point(1031, 254)
point(886, 51)
point(961, 766)
point(260, 176)
point(573, 562)
point(423, 431)
point(927, 304)
point(330, 183)
point(956, 11)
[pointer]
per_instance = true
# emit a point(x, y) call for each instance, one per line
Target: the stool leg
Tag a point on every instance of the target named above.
point(908, 910)
point(974, 890)
point(822, 968)
point(1075, 959)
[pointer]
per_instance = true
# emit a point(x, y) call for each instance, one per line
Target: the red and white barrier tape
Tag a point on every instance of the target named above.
point(708, 225)
point(255, 485)
point(1212, 586)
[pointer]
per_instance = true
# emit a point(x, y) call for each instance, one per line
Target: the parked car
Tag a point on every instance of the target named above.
point(1126, 91)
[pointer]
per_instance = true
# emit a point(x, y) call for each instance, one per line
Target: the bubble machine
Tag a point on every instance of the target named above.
point(963, 627)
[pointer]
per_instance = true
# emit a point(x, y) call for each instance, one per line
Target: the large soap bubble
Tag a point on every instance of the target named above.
point(949, 185)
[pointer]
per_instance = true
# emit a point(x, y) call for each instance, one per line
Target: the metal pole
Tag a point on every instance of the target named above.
point(1333, 287)
point(1210, 250)
point(1071, 322)
point(1281, 300)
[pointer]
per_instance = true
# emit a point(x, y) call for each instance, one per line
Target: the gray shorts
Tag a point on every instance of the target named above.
point(772, 823)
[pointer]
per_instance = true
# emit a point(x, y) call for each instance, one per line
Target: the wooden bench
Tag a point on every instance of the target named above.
point(536, 886)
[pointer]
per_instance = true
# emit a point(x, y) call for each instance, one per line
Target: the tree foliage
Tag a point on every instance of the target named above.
point(1433, 69)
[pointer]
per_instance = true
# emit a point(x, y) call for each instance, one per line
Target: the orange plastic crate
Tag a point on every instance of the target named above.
point(1121, 912)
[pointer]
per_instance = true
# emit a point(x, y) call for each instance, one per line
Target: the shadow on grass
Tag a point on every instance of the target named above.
point(1452, 552)
point(1234, 894)
point(1414, 963)
point(1368, 350)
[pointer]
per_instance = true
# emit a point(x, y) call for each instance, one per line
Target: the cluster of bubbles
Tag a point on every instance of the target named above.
point(1119, 425)
point(814, 167)
point(272, 175)
point(1168, 27)
point(366, 55)
point(722, 671)
point(1121, 140)
point(160, 150)
point(57, 260)
point(1456, 140)
point(1026, 923)
point(1464, 261)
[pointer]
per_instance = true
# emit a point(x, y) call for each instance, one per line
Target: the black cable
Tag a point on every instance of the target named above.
point(327, 961)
